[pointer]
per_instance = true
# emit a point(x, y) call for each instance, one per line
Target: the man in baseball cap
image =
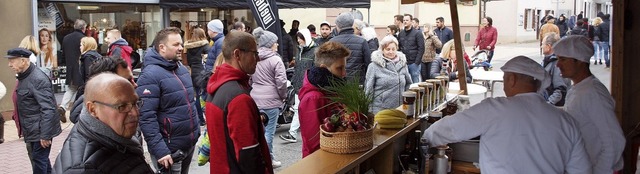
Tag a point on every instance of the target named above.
point(537, 132)
point(34, 104)
point(325, 33)
point(589, 102)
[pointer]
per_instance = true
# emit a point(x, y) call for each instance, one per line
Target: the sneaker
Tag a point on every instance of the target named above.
point(276, 164)
point(288, 138)
point(63, 114)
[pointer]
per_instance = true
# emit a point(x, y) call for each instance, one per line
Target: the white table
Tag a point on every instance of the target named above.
point(454, 87)
point(487, 78)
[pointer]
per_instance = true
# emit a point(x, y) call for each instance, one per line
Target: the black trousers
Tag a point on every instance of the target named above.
point(425, 71)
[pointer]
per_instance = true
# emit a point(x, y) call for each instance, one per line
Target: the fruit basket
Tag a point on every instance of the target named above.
point(349, 129)
point(346, 142)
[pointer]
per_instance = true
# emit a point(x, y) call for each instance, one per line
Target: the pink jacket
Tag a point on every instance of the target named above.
point(311, 112)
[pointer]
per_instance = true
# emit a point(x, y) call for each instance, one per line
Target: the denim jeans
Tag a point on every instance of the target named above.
point(596, 51)
point(425, 70)
point(198, 106)
point(490, 55)
point(604, 48)
point(178, 167)
point(270, 128)
point(295, 122)
point(39, 157)
point(414, 71)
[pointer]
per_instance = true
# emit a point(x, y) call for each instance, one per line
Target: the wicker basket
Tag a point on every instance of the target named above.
point(346, 142)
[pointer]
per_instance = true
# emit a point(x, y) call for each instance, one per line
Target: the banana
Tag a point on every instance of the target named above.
point(391, 126)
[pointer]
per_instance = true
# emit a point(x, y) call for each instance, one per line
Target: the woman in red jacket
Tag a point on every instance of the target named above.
point(329, 65)
point(487, 37)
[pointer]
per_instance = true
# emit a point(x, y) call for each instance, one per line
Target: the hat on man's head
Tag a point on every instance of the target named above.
point(575, 47)
point(18, 52)
point(325, 23)
point(344, 20)
point(527, 66)
point(215, 25)
point(264, 38)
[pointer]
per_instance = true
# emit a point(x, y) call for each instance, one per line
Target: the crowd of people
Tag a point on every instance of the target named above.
point(241, 78)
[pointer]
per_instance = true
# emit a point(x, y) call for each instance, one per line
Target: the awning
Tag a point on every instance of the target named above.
point(242, 4)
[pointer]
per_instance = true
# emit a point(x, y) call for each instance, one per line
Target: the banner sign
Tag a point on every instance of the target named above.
point(266, 14)
point(54, 13)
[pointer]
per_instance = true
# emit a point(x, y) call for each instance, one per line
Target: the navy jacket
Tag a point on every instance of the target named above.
point(412, 45)
point(445, 34)
point(213, 52)
point(168, 115)
point(360, 54)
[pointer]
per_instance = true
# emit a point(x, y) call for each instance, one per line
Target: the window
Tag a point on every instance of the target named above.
point(527, 13)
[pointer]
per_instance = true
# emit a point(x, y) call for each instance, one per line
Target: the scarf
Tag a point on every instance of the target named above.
point(322, 77)
point(95, 129)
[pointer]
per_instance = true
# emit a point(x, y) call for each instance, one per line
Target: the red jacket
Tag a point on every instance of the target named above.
point(487, 36)
point(121, 48)
point(311, 112)
point(228, 91)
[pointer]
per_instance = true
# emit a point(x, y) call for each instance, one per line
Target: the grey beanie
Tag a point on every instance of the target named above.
point(215, 26)
point(344, 20)
point(265, 38)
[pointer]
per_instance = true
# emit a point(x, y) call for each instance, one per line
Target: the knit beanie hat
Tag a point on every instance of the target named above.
point(344, 20)
point(215, 26)
point(265, 38)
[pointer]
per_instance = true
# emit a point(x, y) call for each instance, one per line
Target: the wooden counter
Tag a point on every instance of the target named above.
point(325, 162)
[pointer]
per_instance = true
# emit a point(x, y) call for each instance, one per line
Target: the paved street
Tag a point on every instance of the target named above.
point(14, 155)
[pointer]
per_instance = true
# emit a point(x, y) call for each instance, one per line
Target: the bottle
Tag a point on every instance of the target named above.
point(441, 161)
point(408, 101)
point(416, 163)
point(426, 156)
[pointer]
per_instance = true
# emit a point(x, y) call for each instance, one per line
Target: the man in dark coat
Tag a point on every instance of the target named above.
point(34, 109)
point(360, 54)
point(107, 131)
point(603, 32)
point(71, 49)
point(288, 46)
point(325, 33)
point(168, 117)
point(444, 34)
point(412, 45)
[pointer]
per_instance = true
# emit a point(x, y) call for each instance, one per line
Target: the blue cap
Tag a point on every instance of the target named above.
point(18, 52)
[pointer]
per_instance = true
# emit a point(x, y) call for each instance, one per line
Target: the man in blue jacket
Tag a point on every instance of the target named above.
point(168, 116)
point(215, 29)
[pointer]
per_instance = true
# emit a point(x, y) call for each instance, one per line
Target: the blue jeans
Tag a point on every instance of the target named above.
point(604, 48)
point(414, 71)
point(270, 128)
point(596, 51)
point(39, 157)
point(178, 167)
point(198, 106)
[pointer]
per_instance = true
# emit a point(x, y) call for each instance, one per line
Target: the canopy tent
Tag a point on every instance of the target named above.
point(242, 4)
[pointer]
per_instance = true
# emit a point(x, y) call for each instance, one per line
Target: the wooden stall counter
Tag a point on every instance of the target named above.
point(380, 158)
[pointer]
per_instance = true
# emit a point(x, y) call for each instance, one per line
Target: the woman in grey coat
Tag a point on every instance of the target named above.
point(387, 75)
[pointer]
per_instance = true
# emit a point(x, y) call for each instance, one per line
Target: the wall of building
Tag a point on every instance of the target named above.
point(18, 11)
point(518, 24)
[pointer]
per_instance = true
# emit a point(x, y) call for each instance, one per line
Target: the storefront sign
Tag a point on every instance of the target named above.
point(54, 13)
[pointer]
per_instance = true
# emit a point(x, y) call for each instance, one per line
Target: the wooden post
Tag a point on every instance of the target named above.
point(457, 39)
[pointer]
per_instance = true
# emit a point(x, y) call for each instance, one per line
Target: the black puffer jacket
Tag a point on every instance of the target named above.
point(563, 26)
point(412, 45)
point(86, 60)
point(288, 48)
point(93, 147)
point(36, 106)
point(360, 54)
point(603, 30)
point(195, 50)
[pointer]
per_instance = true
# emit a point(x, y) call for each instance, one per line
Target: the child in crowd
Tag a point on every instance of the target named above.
point(329, 67)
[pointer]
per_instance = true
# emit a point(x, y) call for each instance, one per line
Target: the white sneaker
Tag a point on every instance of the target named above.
point(276, 164)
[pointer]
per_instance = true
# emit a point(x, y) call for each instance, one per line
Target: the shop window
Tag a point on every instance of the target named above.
point(527, 13)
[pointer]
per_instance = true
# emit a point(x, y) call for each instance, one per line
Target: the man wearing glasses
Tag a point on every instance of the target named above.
point(168, 118)
point(106, 131)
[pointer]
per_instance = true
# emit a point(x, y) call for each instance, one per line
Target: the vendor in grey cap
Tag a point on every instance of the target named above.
point(521, 133)
point(35, 109)
point(589, 102)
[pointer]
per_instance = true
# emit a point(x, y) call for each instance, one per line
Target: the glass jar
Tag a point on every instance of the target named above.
point(434, 116)
point(418, 103)
point(408, 101)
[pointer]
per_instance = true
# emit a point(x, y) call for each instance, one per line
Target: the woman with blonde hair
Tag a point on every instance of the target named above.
point(596, 41)
point(446, 64)
point(431, 44)
point(29, 42)
point(88, 55)
point(48, 50)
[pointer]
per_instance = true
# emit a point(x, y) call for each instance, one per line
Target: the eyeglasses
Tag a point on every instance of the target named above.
point(254, 52)
point(122, 108)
